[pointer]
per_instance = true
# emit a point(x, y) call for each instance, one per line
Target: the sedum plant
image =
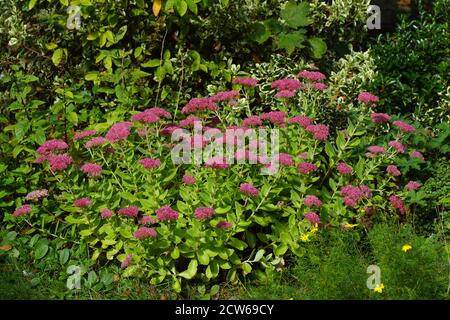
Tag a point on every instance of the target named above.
point(248, 189)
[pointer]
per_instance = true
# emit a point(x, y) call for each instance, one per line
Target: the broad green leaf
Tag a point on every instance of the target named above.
point(31, 4)
point(57, 56)
point(291, 41)
point(296, 15)
point(181, 7)
point(41, 251)
point(238, 244)
point(318, 46)
point(191, 270)
point(260, 32)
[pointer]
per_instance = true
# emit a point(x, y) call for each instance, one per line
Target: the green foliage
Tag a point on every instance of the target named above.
point(417, 82)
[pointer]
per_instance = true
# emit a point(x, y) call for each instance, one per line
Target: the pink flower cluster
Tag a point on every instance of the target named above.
point(398, 146)
point(59, 162)
point(286, 84)
point(252, 121)
point(149, 163)
point(147, 220)
point(204, 213)
point(94, 142)
point(131, 211)
point(367, 97)
point(166, 213)
point(188, 179)
point(311, 75)
point(224, 225)
point(376, 149)
point(127, 261)
point(36, 195)
point(51, 146)
point(92, 169)
point(82, 202)
point(106, 213)
point(312, 217)
point(189, 121)
point(199, 104)
point(276, 117)
point(249, 189)
point(225, 95)
point(306, 167)
point(146, 116)
point(352, 195)
point(301, 120)
point(144, 232)
point(311, 201)
point(24, 209)
point(404, 127)
point(286, 159)
point(84, 134)
point(417, 154)
point(320, 131)
point(412, 185)
point(247, 82)
point(380, 117)
point(397, 203)
point(119, 131)
point(391, 169)
point(344, 168)
point(285, 94)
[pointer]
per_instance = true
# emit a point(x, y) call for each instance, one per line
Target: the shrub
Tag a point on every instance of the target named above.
point(115, 187)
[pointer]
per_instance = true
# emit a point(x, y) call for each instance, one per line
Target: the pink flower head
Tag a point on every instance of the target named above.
point(286, 159)
point(412, 185)
point(84, 134)
point(131, 211)
point(397, 203)
point(286, 84)
point(106, 213)
point(320, 86)
point(417, 154)
point(160, 112)
point(376, 149)
point(303, 155)
point(302, 121)
point(354, 194)
point(404, 127)
point(285, 94)
point(59, 162)
point(252, 121)
point(166, 213)
point(52, 145)
point(119, 131)
point(312, 201)
point(398, 146)
point(149, 163)
point(91, 169)
point(144, 232)
point(391, 169)
point(247, 82)
point(199, 104)
point(189, 121)
point(217, 163)
point(276, 117)
point(312, 217)
point(188, 179)
point(319, 131)
point(147, 220)
point(24, 209)
point(344, 168)
point(311, 75)
point(367, 97)
point(198, 141)
point(224, 225)
point(168, 129)
point(146, 116)
point(36, 195)
point(306, 167)
point(204, 213)
point(82, 202)
point(249, 189)
point(225, 95)
point(127, 261)
point(380, 117)
point(97, 141)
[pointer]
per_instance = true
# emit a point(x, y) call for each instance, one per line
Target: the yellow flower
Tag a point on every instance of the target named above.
point(406, 247)
point(304, 237)
point(314, 229)
point(350, 226)
point(379, 289)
